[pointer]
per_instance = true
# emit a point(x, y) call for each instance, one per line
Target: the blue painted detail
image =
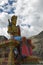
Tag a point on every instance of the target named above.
point(18, 38)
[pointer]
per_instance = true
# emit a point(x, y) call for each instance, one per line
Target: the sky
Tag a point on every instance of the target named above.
point(29, 13)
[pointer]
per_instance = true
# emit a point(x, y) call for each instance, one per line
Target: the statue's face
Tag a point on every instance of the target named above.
point(14, 20)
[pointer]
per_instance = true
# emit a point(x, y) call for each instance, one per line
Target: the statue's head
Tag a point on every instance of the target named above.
point(14, 19)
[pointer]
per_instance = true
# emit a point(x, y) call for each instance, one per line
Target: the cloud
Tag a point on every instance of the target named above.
point(3, 2)
point(29, 12)
point(3, 31)
point(4, 19)
point(7, 6)
point(4, 24)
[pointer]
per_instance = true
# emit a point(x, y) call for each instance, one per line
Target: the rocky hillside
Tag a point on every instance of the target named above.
point(38, 42)
point(3, 38)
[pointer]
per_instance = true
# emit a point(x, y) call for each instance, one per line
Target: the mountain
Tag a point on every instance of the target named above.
point(37, 40)
point(40, 35)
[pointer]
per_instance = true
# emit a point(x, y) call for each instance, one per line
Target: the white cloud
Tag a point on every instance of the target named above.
point(3, 31)
point(2, 2)
point(4, 19)
point(4, 24)
point(28, 11)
